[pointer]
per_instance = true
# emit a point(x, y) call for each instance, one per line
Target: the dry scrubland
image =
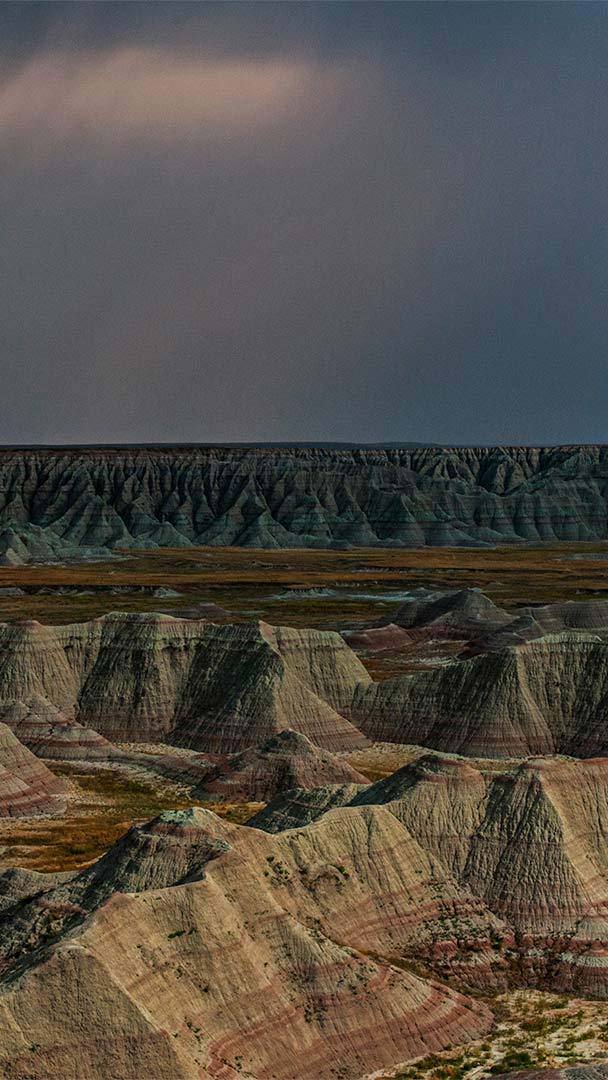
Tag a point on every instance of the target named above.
point(247, 582)
point(534, 1031)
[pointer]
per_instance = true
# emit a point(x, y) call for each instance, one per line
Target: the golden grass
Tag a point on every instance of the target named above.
point(247, 582)
point(104, 805)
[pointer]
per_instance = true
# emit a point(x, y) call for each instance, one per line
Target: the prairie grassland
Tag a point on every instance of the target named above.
point(254, 583)
point(103, 804)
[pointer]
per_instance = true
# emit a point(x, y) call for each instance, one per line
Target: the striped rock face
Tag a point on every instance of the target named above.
point(27, 787)
point(45, 730)
point(539, 698)
point(196, 949)
point(530, 843)
point(147, 678)
point(57, 503)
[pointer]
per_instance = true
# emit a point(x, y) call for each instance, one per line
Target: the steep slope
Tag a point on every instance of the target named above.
point(234, 952)
point(70, 500)
point(285, 761)
point(26, 785)
point(544, 697)
point(146, 678)
point(531, 843)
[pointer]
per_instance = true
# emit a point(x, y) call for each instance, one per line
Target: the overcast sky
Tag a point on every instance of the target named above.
point(362, 222)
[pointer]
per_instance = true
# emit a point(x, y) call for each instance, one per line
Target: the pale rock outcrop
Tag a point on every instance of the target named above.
point(45, 730)
point(153, 678)
point(234, 952)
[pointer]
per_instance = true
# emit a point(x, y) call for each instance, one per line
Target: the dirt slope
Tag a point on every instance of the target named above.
point(231, 952)
point(26, 785)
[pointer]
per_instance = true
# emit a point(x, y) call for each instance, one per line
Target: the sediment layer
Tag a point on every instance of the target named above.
point(58, 502)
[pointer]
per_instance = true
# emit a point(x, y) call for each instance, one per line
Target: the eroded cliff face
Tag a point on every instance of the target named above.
point(222, 689)
point(55, 502)
point(530, 844)
point(199, 949)
point(546, 696)
point(147, 678)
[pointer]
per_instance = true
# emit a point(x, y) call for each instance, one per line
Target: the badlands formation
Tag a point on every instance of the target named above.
point(198, 949)
point(530, 843)
point(350, 927)
point(218, 688)
point(60, 503)
point(26, 785)
point(224, 688)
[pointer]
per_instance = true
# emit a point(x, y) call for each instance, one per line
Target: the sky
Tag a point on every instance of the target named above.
point(346, 221)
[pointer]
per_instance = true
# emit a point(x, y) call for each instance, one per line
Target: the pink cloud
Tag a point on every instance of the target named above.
point(156, 94)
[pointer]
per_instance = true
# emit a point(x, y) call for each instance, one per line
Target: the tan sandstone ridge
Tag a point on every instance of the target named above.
point(195, 949)
point(541, 697)
point(531, 843)
point(285, 761)
point(26, 785)
point(153, 678)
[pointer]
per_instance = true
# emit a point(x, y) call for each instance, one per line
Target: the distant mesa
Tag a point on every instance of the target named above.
point(63, 503)
point(463, 612)
point(378, 638)
point(469, 616)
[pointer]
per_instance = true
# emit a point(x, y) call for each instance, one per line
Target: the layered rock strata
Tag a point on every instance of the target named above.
point(65, 502)
point(27, 786)
point(546, 696)
point(148, 678)
point(530, 843)
point(198, 949)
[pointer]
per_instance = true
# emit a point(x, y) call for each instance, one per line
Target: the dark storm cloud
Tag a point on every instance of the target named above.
point(303, 221)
